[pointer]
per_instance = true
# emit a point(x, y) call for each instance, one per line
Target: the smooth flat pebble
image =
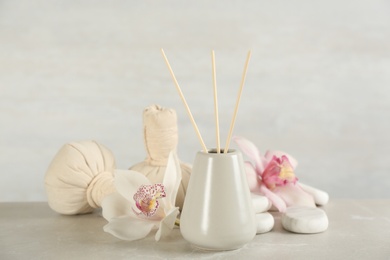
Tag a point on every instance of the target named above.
point(265, 222)
point(260, 203)
point(305, 220)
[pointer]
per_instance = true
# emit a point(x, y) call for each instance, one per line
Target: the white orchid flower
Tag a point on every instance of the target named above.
point(140, 206)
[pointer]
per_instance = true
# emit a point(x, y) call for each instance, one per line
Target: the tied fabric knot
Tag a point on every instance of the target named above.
point(160, 134)
point(159, 143)
point(101, 185)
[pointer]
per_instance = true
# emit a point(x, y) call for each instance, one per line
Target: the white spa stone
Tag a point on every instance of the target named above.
point(265, 222)
point(260, 203)
point(305, 220)
point(320, 197)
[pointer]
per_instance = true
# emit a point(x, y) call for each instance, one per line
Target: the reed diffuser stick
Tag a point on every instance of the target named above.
point(215, 102)
point(185, 103)
point(237, 103)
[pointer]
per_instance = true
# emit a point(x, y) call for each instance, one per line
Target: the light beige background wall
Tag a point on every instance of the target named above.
point(318, 85)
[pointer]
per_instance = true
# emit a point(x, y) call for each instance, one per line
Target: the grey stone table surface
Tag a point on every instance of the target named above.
point(359, 229)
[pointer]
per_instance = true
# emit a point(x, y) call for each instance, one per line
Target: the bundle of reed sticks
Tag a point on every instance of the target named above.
point(233, 121)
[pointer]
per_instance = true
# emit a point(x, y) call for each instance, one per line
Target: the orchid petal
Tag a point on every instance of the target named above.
point(270, 154)
point(248, 148)
point(115, 205)
point(167, 224)
point(171, 181)
point(129, 228)
point(251, 177)
point(275, 199)
point(127, 183)
point(294, 195)
point(321, 198)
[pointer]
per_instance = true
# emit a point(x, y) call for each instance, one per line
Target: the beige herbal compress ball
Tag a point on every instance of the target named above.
point(79, 177)
point(160, 137)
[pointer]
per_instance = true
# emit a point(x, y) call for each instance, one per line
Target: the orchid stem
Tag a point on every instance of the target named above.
point(177, 222)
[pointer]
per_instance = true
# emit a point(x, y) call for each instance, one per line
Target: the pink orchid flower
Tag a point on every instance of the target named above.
point(273, 176)
point(139, 206)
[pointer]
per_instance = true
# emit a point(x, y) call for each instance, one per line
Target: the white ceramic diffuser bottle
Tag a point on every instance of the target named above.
point(217, 212)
